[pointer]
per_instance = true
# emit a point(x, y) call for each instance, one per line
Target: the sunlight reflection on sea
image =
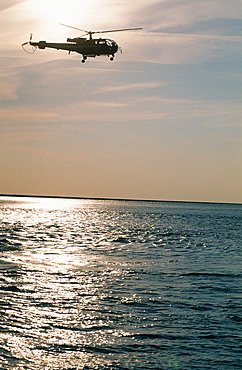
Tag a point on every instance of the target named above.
point(119, 285)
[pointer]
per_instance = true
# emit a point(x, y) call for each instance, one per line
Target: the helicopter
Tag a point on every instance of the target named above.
point(88, 47)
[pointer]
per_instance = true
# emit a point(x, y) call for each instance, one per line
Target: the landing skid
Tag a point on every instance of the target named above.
point(84, 58)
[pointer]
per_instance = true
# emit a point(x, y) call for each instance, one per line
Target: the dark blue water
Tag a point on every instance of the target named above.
point(88, 284)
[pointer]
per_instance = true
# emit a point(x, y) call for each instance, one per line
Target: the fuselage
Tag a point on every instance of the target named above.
point(88, 48)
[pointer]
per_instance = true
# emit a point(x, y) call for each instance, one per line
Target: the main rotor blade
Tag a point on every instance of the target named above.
point(79, 29)
point(123, 29)
point(92, 32)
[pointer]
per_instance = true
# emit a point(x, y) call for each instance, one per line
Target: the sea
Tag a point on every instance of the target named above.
point(119, 284)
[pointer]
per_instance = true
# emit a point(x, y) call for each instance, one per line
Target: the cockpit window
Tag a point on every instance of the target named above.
point(101, 41)
point(111, 42)
point(107, 42)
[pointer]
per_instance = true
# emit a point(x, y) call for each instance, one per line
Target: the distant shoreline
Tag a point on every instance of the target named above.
point(115, 199)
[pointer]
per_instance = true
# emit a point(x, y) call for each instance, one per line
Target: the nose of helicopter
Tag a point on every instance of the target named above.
point(114, 46)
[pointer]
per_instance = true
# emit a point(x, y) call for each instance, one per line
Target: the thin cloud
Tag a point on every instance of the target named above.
point(172, 48)
point(175, 13)
point(152, 108)
point(9, 4)
point(25, 115)
point(9, 86)
point(132, 86)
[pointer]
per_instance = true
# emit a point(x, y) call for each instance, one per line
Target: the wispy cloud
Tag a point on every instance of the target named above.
point(9, 86)
point(146, 109)
point(175, 13)
point(174, 48)
point(139, 86)
point(9, 4)
point(21, 115)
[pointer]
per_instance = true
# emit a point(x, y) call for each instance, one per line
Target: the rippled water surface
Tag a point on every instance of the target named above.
point(88, 284)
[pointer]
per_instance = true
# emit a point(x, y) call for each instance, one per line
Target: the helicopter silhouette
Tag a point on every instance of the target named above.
point(88, 47)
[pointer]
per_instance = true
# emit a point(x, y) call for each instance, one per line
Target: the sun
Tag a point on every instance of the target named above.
point(48, 15)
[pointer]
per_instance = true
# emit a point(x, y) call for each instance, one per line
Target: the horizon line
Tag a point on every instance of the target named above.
point(117, 199)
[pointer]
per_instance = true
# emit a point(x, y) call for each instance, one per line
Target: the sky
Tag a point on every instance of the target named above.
point(162, 121)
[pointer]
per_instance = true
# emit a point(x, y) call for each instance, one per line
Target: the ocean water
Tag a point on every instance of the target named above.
point(101, 284)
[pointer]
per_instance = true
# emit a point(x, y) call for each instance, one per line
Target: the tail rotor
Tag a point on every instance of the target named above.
point(29, 43)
